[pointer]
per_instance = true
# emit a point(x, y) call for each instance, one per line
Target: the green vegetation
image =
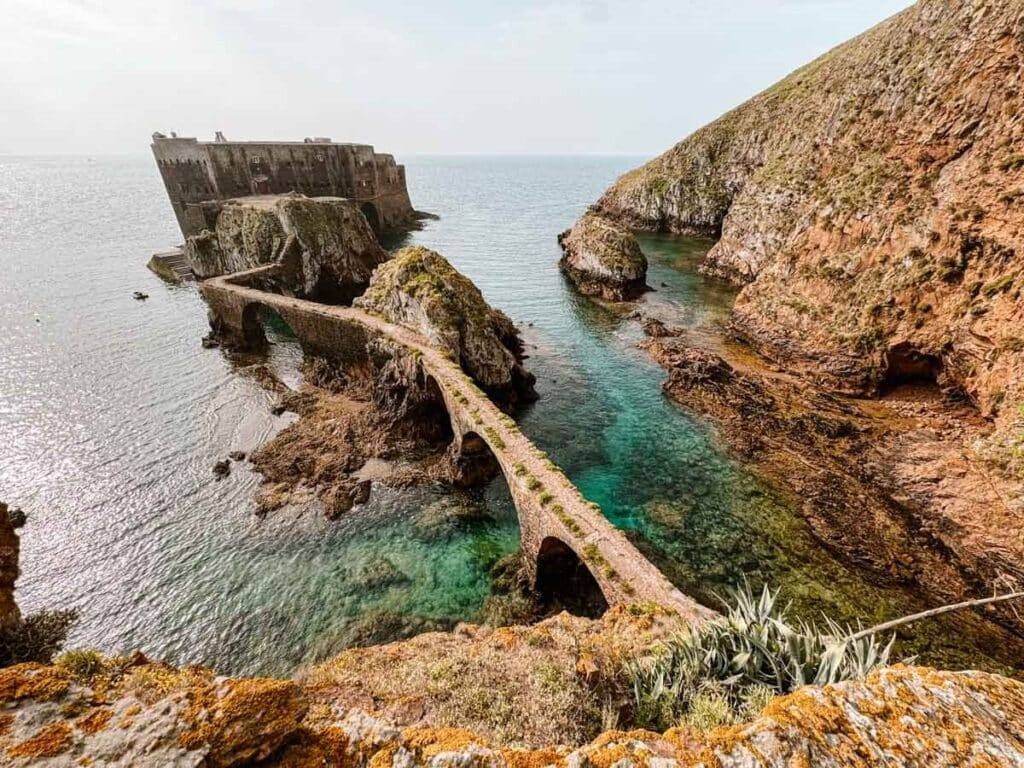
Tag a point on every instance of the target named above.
point(726, 670)
point(567, 520)
point(34, 638)
point(1014, 163)
point(495, 438)
point(998, 286)
point(545, 499)
point(593, 555)
point(520, 470)
point(82, 664)
point(534, 484)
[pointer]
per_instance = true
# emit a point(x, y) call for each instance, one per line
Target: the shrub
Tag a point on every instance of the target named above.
point(83, 664)
point(751, 652)
point(35, 638)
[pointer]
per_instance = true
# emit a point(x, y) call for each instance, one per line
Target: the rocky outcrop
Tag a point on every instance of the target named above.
point(324, 246)
point(10, 546)
point(603, 259)
point(386, 415)
point(130, 711)
point(871, 202)
point(418, 288)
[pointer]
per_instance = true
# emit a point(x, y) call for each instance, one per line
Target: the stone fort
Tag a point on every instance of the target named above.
point(197, 172)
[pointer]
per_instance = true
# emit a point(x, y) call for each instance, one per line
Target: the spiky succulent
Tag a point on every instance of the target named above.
point(752, 647)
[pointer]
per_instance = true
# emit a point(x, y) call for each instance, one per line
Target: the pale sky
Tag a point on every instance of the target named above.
point(437, 76)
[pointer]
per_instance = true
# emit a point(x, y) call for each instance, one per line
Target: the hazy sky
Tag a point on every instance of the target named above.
point(444, 76)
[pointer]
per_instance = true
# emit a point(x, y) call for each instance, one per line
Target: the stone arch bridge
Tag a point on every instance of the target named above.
point(555, 520)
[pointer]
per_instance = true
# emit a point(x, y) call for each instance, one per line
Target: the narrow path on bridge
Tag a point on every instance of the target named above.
point(549, 505)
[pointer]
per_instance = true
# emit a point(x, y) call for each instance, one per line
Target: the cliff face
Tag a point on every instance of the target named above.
point(324, 245)
point(871, 202)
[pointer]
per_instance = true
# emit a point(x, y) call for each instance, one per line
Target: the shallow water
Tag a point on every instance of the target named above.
point(111, 416)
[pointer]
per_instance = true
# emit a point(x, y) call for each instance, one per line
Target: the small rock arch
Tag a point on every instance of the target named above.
point(564, 580)
point(472, 460)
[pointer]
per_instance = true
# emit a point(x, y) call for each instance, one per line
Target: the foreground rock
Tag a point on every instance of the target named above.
point(134, 712)
point(325, 247)
point(10, 547)
point(603, 259)
point(420, 289)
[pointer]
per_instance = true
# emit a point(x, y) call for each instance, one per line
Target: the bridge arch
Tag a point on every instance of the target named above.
point(564, 579)
point(254, 315)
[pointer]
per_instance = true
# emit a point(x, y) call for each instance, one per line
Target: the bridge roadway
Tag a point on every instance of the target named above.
point(553, 514)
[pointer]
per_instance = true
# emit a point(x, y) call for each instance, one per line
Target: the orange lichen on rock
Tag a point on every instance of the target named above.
point(49, 741)
point(429, 742)
point(33, 681)
point(94, 721)
point(244, 720)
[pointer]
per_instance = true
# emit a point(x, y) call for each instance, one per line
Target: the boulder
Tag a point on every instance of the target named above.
point(324, 246)
point(418, 288)
point(603, 259)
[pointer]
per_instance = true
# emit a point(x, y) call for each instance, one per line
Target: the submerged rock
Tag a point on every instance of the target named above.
point(444, 518)
point(324, 246)
point(603, 259)
point(420, 289)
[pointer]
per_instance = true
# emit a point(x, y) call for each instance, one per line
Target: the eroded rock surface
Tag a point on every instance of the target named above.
point(325, 247)
point(603, 259)
point(135, 712)
point(418, 288)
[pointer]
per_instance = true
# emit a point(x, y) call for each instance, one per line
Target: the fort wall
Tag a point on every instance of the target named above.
point(195, 172)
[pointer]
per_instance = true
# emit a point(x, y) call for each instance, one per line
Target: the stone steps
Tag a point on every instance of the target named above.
point(172, 266)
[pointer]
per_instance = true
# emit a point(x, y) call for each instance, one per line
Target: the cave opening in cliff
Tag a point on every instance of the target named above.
point(372, 217)
point(564, 581)
point(907, 367)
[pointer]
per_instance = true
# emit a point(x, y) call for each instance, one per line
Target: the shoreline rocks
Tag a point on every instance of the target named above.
point(868, 204)
point(603, 259)
point(876, 482)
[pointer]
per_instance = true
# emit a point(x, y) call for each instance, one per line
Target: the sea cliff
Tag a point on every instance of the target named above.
point(869, 206)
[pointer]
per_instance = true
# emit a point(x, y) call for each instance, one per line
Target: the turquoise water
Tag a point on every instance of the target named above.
point(111, 416)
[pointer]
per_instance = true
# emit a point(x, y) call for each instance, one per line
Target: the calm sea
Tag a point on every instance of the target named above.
point(111, 416)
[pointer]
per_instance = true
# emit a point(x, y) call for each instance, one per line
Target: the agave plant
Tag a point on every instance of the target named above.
point(752, 648)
